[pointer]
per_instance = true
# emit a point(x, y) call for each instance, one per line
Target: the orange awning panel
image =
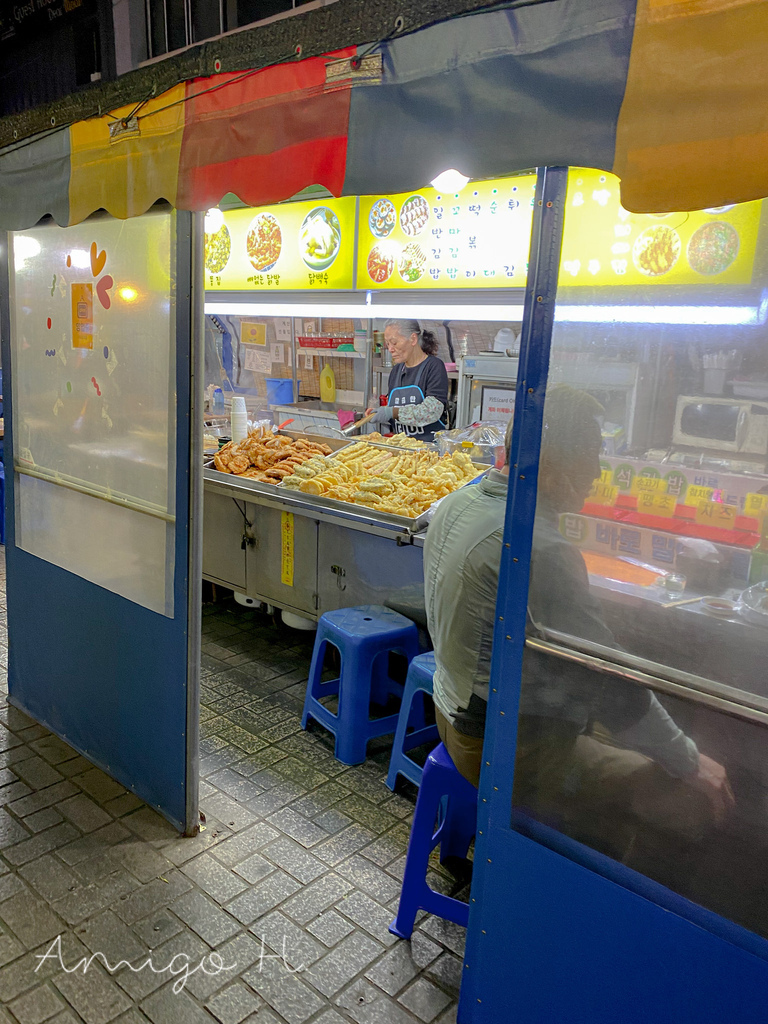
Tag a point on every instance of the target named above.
point(693, 127)
point(129, 173)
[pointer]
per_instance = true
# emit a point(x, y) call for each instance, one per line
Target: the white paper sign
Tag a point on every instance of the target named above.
point(308, 361)
point(257, 359)
point(278, 352)
point(283, 329)
point(498, 404)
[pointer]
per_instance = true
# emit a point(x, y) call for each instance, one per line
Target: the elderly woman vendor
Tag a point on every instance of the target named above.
point(418, 384)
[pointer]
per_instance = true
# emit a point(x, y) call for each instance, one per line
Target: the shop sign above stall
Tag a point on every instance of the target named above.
point(603, 244)
point(476, 238)
point(292, 246)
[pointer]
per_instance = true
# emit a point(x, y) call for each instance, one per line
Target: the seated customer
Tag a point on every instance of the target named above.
point(597, 754)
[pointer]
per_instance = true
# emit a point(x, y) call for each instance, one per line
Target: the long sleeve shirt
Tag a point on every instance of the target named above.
point(462, 552)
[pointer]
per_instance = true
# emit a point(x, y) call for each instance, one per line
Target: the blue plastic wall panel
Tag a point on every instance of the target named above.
point(566, 946)
point(101, 672)
point(492, 93)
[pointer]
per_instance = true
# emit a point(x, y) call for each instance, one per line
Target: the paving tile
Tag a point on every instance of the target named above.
point(149, 825)
point(332, 821)
point(43, 798)
point(448, 934)
point(10, 830)
point(210, 922)
point(76, 766)
point(176, 961)
point(42, 820)
point(292, 945)
point(142, 861)
point(330, 927)
point(30, 919)
point(151, 897)
point(261, 898)
point(337, 968)
point(285, 992)
point(317, 897)
point(446, 971)
point(93, 844)
point(122, 805)
point(293, 858)
point(37, 1006)
point(167, 1007)
point(157, 928)
point(37, 773)
point(368, 914)
point(83, 813)
point(10, 885)
point(54, 750)
point(292, 824)
point(424, 999)
point(395, 970)
point(370, 879)
point(236, 816)
point(94, 995)
point(50, 877)
point(345, 843)
point(234, 1004)
point(254, 868)
point(184, 848)
point(108, 935)
point(44, 842)
point(241, 846)
point(233, 784)
point(14, 791)
point(99, 785)
point(86, 900)
point(214, 878)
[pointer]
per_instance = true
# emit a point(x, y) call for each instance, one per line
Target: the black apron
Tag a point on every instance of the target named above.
point(411, 394)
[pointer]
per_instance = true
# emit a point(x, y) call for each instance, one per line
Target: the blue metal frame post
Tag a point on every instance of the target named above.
point(495, 793)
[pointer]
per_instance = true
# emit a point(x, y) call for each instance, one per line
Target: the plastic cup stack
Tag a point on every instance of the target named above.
point(239, 419)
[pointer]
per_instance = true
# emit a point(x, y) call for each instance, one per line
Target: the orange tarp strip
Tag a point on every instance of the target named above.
point(127, 176)
point(266, 136)
point(693, 127)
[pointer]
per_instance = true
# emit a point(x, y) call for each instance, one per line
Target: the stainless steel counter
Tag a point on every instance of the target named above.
point(308, 554)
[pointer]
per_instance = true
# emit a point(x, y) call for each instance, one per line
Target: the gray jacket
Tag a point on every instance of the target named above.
point(462, 552)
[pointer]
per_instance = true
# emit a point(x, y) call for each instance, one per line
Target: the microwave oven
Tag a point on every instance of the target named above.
point(721, 424)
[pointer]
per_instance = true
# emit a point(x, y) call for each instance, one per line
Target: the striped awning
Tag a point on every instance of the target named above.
point(668, 94)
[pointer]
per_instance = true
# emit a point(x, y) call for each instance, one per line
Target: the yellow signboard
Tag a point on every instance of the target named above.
point(476, 238)
point(755, 505)
point(289, 246)
point(645, 484)
point(82, 316)
point(286, 553)
point(603, 244)
point(655, 503)
point(603, 494)
point(714, 513)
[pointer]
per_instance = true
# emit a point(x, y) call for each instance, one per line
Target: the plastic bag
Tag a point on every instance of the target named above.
point(480, 441)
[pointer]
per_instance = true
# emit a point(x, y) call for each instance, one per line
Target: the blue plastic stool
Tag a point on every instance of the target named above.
point(417, 685)
point(445, 797)
point(364, 636)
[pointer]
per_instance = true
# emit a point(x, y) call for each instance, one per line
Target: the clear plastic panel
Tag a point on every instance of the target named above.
point(93, 347)
point(649, 540)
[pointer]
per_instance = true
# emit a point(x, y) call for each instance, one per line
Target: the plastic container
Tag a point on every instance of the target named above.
point(279, 390)
point(239, 419)
point(218, 400)
point(327, 385)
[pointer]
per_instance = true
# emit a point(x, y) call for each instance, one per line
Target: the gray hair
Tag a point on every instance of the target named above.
point(427, 339)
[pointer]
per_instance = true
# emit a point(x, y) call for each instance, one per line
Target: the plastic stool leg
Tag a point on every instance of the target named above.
point(459, 825)
point(354, 709)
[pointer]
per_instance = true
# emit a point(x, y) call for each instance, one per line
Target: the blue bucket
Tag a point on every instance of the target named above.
point(279, 390)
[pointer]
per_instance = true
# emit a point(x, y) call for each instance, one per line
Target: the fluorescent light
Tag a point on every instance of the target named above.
point(440, 312)
point(717, 316)
point(450, 181)
point(214, 220)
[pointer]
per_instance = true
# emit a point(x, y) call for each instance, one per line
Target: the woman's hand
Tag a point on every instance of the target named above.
point(381, 415)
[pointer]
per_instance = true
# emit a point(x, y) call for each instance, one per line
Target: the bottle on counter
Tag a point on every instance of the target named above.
point(238, 419)
point(218, 401)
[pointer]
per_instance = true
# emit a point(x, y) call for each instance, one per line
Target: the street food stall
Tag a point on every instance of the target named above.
point(299, 292)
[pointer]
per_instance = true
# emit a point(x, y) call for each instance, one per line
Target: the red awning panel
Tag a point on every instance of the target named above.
point(277, 130)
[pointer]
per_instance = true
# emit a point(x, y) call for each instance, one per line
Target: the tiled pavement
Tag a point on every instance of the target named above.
point(292, 883)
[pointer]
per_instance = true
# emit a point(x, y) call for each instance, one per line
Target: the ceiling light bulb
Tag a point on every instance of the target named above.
point(214, 220)
point(450, 181)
